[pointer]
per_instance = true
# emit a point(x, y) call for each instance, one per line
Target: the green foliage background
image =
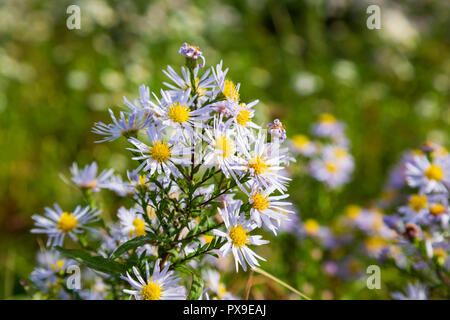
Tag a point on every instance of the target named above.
point(299, 58)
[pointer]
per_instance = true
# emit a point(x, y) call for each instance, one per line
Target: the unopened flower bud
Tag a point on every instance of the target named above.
point(276, 129)
point(192, 53)
point(412, 231)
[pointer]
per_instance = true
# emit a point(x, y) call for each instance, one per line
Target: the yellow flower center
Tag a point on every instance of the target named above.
point(311, 226)
point(142, 180)
point(417, 202)
point(229, 90)
point(340, 153)
point(375, 243)
point(434, 172)
point(160, 151)
point(243, 117)
point(152, 291)
point(221, 290)
point(353, 211)
point(331, 166)
point(239, 236)
point(437, 209)
point(225, 145)
point(440, 252)
point(258, 165)
point(260, 202)
point(139, 227)
point(59, 264)
point(300, 141)
point(67, 222)
point(179, 112)
point(328, 118)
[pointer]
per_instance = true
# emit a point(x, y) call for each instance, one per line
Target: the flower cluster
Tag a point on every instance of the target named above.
point(196, 147)
point(327, 156)
point(410, 226)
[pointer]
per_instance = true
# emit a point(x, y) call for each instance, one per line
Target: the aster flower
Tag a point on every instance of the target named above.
point(143, 105)
point(221, 148)
point(213, 283)
point(329, 172)
point(181, 114)
point(429, 176)
point(301, 144)
point(339, 155)
point(86, 178)
point(227, 88)
point(57, 223)
point(413, 292)
point(50, 265)
point(203, 85)
point(161, 155)
point(132, 223)
point(238, 238)
point(312, 228)
point(327, 126)
point(262, 160)
point(438, 210)
point(159, 285)
point(266, 209)
point(127, 125)
point(241, 116)
point(416, 209)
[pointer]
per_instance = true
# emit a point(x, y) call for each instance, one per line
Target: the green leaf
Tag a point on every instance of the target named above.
point(134, 243)
point(94, 262)
point(196, 287)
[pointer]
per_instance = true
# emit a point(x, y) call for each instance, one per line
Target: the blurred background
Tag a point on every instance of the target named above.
point(299, 58)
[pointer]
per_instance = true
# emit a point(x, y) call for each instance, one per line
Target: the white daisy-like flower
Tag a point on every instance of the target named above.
point(161, 155)
point(159, 285)
point(267, 209)
point(416, 209)
point(132, 223)
point(238, 237)
point(413, 292)
point(339, 155)
point(143, 105)
point(127, 125)
point(203, 85)
point(58, 223)
point(241, 116)
point(330, 172)
point(86, 178)
point(227, 91)
point(221, 148)
point(429, 176)
point(50, 263)
point(213, 283)
point(262, 160)
point(301, 144)
point(438, 210)
point(181, 113)
point(327, 126)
